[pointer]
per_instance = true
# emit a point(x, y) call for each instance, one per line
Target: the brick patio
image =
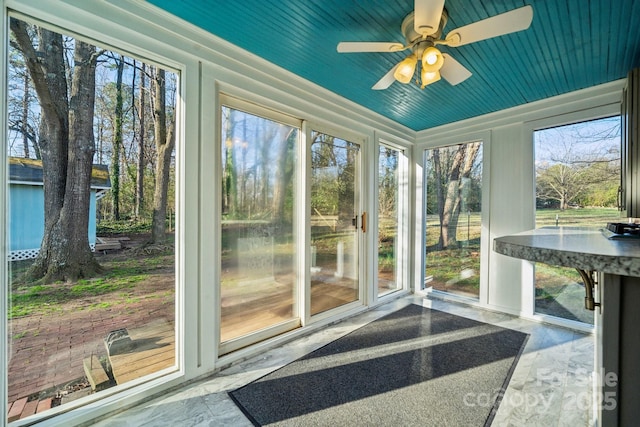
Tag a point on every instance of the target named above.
point(46, 351)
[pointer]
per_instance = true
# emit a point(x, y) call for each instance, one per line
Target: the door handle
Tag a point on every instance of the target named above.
point(364, 222)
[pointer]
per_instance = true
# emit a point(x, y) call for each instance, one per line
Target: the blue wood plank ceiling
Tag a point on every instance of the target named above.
point(571, 45)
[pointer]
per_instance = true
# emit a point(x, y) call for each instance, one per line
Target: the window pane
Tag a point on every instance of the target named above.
point(577, 180)
point(388, 221)
point(453, 186)
point(334, 222)
point(258, 244)
point(91, 218)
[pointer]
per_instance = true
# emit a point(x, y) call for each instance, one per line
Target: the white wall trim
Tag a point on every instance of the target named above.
point(4, 172)
point(585, 99)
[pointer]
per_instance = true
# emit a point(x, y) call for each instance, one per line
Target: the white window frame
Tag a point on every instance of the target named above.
point(312, 125)
point(403, 258)
point(528, 279)
point(236, 103)
point(485, 239)
point(63, 18)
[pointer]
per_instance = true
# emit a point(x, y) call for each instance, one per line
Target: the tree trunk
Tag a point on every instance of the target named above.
point(471, 151)
point(229, 179)
point(165, 141)
point(141, 140)
point(452, 199)
point(438, 178)
point(461, 167)
point(264, 137)
point(67, 148)
point(69, 237)
point(243, 176)
point(346, 179)
point(25, 116)
point(284, 173)
point(451, 204)
point(117, 142)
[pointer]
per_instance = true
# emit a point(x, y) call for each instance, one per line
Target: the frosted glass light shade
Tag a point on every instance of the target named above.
point(428, 77)
point(405, 69)
point(432, 59)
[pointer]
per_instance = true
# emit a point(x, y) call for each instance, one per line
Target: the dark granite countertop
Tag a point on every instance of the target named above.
point(577, 247)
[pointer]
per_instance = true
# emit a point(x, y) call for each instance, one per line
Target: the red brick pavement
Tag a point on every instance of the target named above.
point(46, 351)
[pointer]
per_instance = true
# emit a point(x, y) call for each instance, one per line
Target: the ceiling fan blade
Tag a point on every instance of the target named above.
point(386, 80)
point(453, 71)
point(505, 23)
point(355, 47)
point(427, 14)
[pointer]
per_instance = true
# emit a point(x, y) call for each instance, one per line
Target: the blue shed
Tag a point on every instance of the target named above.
point(26, 206)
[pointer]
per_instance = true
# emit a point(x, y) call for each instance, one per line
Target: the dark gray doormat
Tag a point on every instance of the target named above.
point(414, 367)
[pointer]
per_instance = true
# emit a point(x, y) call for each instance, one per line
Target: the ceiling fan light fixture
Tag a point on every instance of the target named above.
point(422, 30)
point(428, 77)
point(406, 68)
point(432, 59)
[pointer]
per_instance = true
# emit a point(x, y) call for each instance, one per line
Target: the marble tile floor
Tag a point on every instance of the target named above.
point(550, 386)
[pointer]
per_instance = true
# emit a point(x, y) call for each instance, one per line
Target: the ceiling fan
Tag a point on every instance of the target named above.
point(422, 30)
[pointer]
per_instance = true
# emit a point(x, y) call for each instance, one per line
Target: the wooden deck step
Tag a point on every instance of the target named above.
point(108, 246)
point(111, 243)
point(95, 373)
point(107, 243)
point(152, 349)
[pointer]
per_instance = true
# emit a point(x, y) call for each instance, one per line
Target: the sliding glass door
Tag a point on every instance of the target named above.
point(261, 256)
point(335, 222)
point(258, 276)
point(391, 201)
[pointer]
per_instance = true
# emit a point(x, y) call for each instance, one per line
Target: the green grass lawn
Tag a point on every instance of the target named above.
point(559, 290)
point(583, 217)
point(118, 281)
point(450, 269)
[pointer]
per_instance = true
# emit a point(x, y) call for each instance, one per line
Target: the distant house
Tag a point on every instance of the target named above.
point(26, 206)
